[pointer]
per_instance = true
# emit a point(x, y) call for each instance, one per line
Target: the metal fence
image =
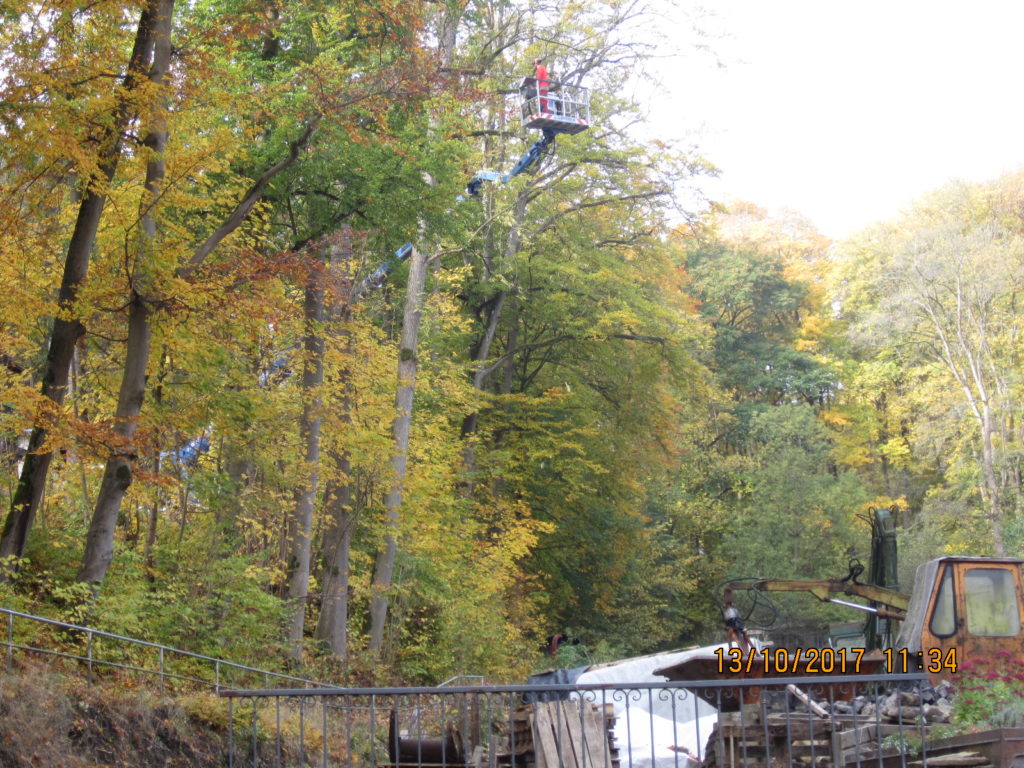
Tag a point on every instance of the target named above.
point(99, 651)
point(823, 722)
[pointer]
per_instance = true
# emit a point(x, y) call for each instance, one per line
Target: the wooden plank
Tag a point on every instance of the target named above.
point(957, 759)
point(795, 731)
point(572, 711)
point(596, 734)
point(781, 721)
point(545, 748)
point(563, 716)
point(594, 739)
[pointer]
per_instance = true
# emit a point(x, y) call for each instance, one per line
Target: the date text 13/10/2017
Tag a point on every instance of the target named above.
point(829, 661)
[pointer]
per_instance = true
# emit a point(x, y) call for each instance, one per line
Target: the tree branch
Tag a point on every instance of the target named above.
point(253, 196)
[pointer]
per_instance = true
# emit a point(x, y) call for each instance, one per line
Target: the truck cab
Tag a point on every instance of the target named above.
point(965, 609)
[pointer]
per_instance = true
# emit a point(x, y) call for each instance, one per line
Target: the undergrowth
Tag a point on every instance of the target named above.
point(61, 721)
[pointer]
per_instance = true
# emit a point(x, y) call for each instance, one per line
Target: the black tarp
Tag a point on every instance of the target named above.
point(552, 677)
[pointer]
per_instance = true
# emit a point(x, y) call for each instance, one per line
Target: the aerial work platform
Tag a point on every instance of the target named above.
point(553, 108)
point(557, 107)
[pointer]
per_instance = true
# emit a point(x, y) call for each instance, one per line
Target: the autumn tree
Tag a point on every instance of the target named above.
point(38, 35)
point(936, 293)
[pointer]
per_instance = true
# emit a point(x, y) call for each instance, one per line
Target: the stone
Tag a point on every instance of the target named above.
point(910, 699)
point(944, 690)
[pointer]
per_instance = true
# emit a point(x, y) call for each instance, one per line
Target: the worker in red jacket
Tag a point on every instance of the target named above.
point(540, 74)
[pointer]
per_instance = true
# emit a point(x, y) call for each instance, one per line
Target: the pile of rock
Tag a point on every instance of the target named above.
point(933, 704)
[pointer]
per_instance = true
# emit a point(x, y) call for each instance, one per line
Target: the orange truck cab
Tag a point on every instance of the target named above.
point(964, 609)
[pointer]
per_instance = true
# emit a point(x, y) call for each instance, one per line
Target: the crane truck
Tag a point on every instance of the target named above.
point(960, 608)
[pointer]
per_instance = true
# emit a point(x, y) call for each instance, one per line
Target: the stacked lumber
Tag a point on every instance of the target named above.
point(562, 734)
point(862, 739)
point(751, 739)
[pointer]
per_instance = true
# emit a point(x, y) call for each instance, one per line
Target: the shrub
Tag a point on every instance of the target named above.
point(990, 692)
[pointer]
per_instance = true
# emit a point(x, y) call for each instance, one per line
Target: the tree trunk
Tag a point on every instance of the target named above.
point(154, 511)
point(511, 347)
point(483, 348)
point(117, 476)
point(470, 420)
point(300, 527)
point(385, 564)
point(99, 543)
point(67, 331)
point(994, 488)
point(332, 624)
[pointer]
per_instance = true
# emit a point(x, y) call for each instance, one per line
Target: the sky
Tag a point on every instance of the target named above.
point(847, 111)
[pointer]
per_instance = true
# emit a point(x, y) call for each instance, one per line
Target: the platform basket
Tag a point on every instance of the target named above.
point(560, 107)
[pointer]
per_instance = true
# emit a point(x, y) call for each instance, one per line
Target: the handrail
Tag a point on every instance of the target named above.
point(820, 680)
point(164, 650)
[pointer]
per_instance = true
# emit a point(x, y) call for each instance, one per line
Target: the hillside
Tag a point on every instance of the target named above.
point(58, 721)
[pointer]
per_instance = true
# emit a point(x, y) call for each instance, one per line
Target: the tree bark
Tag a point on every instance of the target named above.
point(385, 563)
point(300, 527)
point(117, 476)
point(154, 510)
point(67, 331)
point(332, 624)
point(988, 461)
point(99, 543)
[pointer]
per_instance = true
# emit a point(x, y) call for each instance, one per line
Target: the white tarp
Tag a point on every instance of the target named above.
point(654, 728)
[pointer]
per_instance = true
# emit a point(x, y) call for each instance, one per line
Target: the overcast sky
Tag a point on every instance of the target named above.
point(848, 111)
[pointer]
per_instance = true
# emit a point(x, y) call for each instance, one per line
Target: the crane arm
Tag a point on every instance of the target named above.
point(894, 603)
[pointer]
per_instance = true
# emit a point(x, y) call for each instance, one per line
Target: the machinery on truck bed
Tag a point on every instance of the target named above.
point(960, 608)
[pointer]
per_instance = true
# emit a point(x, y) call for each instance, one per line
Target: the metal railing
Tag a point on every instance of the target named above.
point(559, 101)
point(96, 649)
point(720, 723)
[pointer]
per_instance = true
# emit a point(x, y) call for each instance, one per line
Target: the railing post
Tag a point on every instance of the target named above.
point(323, 732)
point(302, 730)
point(216, 676)
point(10, 642)
point(161, 670)
point(255, 732)
point(231, 732)
point(89, 654)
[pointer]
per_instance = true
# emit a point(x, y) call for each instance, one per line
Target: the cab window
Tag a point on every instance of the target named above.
point(943, 623)
point(991, 602)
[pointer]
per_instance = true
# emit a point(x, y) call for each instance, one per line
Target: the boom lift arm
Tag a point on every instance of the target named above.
point(565, 110)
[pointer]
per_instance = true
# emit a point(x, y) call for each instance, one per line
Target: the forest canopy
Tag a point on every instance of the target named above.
point(235, 421)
